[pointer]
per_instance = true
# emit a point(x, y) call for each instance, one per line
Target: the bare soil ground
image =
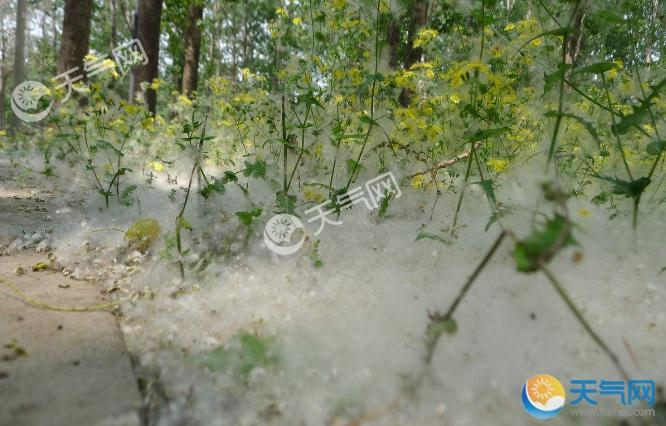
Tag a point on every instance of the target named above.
point(56, 368)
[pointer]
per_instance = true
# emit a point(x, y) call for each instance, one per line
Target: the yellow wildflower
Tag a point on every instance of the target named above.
point(184, 100)
point(425, 36)
point(584, 212)
point(498, 165)
point(157, 166)
point(417, 182)
point(313, 195)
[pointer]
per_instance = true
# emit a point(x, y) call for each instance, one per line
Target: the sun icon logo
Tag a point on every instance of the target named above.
point(278, 232)
point(26, 97)
point(542, 389)
point(543, 396)
point(282, 228)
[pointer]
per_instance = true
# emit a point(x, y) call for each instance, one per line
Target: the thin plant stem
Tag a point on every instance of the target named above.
point(574, 309)
point(617, 138)
point(285, 150)
point(181, 213)
point(352, 175)
point(442, 318)
point(462, 191)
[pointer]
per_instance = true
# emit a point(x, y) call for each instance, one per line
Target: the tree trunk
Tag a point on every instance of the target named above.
point(75, 35)
point(19, 51)
point(651, 32)
point(54, 26)
point(19, 43)
point(234, 48)
point(574, 40)
point(418, 19)
point(3, 78)
point(114, 25)
point(150, 16)
point(394, 44)
point(192, 48)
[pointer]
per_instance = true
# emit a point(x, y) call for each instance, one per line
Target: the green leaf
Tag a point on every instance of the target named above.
point(588, 126)
point(384, 203)
point(127, 192)
point(183, 223)
point(543, 244)
point(655, 147)
point(241, 354)
point(257, 169)
point(366, 119)
point(598, 68)
point(601, 198)
point(216, 186)
point(246, 218)
point(609, 16)
point(438, 326)
point(451, 326)
point(309, 99)
point(423, 235)
point(485, 134)
point(631, 189)
point(628, 188)
point(107, 145)
point(640, 112)
point(285, 203)
point(488, 186)
point(500, 212)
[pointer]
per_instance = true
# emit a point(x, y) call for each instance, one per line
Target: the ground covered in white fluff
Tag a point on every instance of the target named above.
point(256, 338)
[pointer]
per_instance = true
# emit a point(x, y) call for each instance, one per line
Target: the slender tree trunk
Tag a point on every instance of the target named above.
point(19, 51)
point(394, 44)
point(575, 39)
point(234, 47)
point(54, 26)
point(192, 48)
point(150, 17)
point(19, 43)
point(75, 35)
point(114, 24)
point(3, 78)
point(212, 47)
point(134, 29)
point(246, 41)
point(418, 19)
point(651, 32)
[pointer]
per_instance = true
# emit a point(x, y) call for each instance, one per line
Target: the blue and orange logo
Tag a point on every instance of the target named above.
point(543, 396)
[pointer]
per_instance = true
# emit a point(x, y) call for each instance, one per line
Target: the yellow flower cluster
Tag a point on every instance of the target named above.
point(425, 36)
point(498, 165)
